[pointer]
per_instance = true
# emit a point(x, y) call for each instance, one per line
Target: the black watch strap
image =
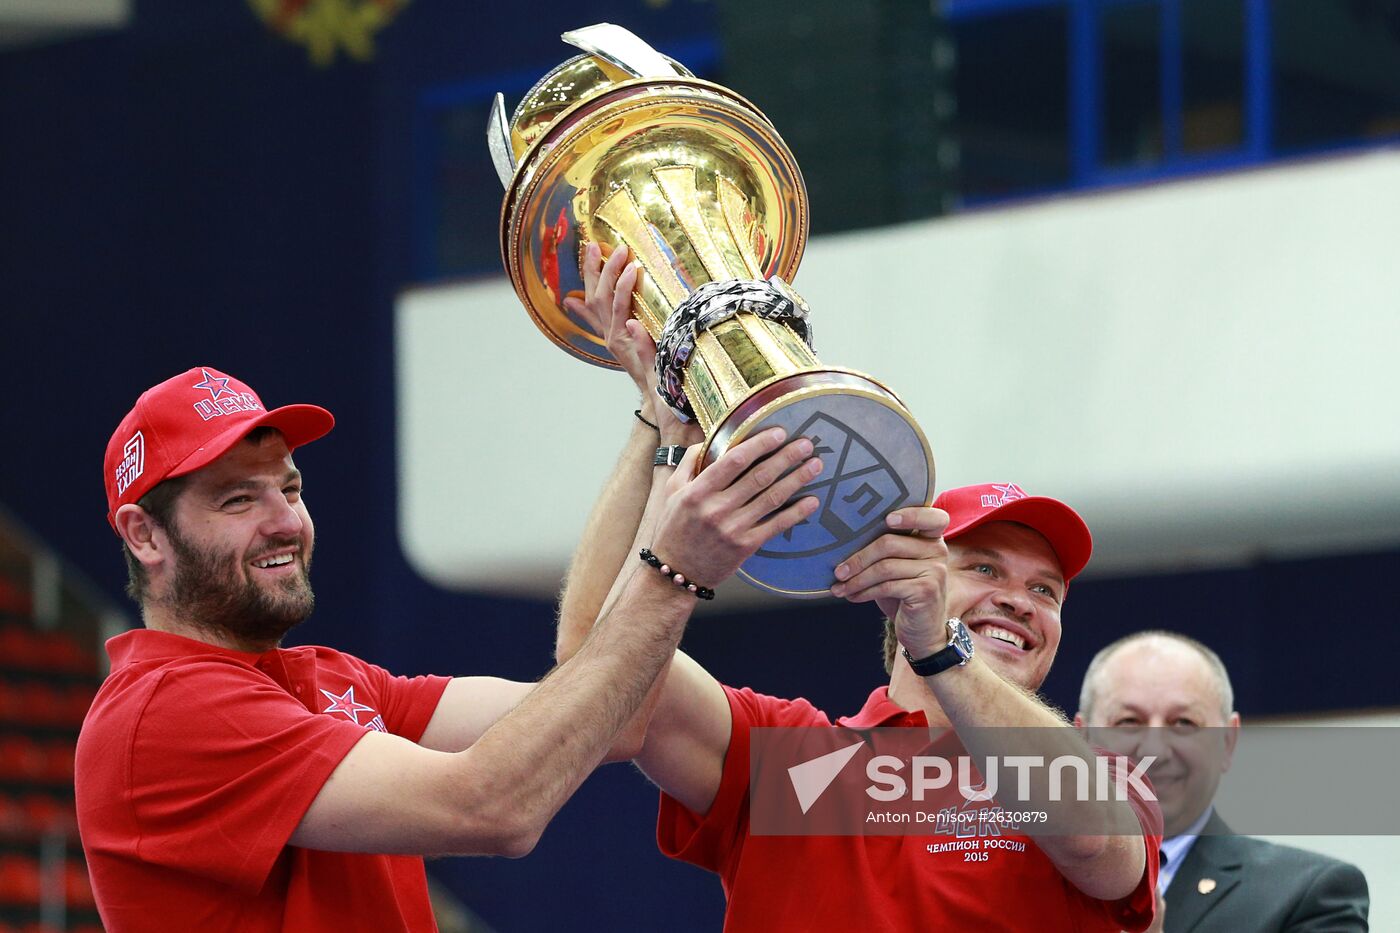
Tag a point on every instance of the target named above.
point(668, 456)
point(936, 663)
point(957, 652)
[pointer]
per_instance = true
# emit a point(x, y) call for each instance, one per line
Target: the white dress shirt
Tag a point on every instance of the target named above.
point(1174, 850)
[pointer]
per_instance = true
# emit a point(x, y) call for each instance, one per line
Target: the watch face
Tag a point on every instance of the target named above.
point(960, 638)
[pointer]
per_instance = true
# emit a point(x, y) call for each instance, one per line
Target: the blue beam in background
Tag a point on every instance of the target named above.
point(1183, 167)
point(1085, 90)
point(1171, 71)
point(971, 9)
point(1258, 84)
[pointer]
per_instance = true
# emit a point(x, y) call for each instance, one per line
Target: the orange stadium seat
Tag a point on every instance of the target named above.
point(60, 652)
point(58, 760)
point(76, 885)
point(18, 648)
point(79, 698)
point(15, 598)
point(42, 704)
point(43, 813)
point(19, 880)
point(21, 758)
point(14, 821)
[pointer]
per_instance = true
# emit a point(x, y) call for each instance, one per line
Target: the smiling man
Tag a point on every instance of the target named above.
point(972, 589)
point(225, 783)
point(1168, 696)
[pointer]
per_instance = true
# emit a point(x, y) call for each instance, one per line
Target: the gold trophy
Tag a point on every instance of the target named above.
point(623, 146)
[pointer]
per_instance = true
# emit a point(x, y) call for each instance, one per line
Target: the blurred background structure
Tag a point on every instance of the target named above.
point(1133, 253)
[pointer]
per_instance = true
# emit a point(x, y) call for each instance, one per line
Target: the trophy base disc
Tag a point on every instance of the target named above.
point(874, 456)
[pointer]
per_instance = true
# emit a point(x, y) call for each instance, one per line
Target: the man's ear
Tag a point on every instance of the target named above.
point(1232, 736)
point(144, 538)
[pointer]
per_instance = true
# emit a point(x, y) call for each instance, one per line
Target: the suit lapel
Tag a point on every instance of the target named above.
point(1211, 869)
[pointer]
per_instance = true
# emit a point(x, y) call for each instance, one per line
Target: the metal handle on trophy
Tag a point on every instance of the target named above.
point(623, 146)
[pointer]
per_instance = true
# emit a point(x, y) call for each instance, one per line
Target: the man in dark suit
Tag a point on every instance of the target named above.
point(1169, 696)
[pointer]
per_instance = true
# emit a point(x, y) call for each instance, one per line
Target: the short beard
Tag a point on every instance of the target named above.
point(212, 591)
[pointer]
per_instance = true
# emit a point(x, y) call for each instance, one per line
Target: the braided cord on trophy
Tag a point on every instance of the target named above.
point(623, 146)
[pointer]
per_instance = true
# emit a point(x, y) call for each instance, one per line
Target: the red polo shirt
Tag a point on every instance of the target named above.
point(884, 883)
point(194, 766)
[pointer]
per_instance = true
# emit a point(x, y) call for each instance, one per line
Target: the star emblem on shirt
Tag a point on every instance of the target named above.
point(217, 385)
point(345, 703)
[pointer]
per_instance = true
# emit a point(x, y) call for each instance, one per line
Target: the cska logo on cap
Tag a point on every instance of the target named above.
point(133, 463)
point(1004, 494)
point(222, 400)
point(217, 385)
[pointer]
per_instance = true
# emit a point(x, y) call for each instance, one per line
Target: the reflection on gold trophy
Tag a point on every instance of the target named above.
point(623, 146)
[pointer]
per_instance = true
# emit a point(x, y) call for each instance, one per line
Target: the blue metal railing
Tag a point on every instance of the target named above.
point(1092, 156)
point(1086, 88)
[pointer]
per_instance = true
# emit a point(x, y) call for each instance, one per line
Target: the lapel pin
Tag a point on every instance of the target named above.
point(1206, 885)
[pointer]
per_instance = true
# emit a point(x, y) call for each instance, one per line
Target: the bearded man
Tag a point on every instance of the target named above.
point(226, 783)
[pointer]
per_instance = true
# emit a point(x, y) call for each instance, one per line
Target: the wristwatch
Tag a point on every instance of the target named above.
point(668, 456)
point(956, 653)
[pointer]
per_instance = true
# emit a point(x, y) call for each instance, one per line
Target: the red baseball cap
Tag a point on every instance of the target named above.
point(971, 506)
point(188, 422)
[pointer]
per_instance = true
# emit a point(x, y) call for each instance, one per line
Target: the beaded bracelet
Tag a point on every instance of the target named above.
point(644, 421)
point(701, 592)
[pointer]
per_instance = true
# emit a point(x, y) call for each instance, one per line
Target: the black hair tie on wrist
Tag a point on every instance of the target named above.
point(644, 421)
point(676, 577)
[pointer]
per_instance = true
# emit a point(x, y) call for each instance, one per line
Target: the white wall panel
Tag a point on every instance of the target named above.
point(1206, 369)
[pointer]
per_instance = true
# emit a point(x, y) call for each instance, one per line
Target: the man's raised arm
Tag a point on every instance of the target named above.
point(994, 717)
point(496, 797)
point(621, 521)
point(681, 732)
point(614, 524)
